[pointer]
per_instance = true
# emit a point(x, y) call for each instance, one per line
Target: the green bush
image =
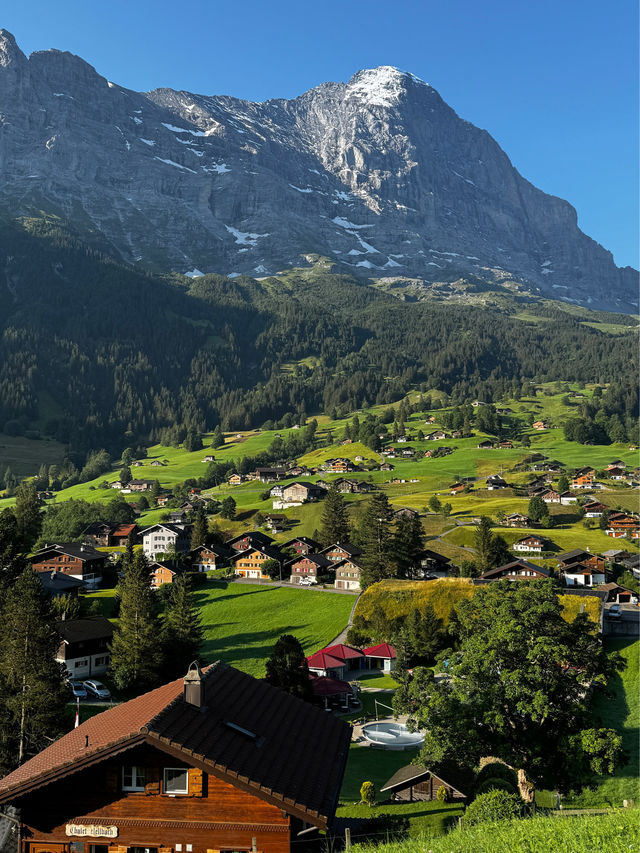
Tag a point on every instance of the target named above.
point(493, 806)
point(494, 783)
point(497, 770)
point(442, 796)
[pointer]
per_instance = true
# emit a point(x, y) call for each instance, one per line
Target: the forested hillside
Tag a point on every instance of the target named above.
point(97, 354)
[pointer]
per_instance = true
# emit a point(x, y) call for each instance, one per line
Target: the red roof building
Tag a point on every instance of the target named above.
point(381, 657)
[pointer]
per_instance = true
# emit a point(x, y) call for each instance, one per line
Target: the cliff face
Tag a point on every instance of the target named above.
point(378, 174)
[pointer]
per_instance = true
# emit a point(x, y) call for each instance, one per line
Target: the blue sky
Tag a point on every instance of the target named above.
point(555, 82)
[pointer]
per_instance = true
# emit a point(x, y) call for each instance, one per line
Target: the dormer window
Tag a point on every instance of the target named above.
point(133, 778)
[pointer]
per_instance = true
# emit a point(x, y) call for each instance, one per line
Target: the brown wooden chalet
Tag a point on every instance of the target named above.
point(207, 557)
point(300, 492)
point(243, 541)
point(415, 782)
point(407, 512)
point(109, 533)
point(215, 761)
point(248, 563)
point(348, 575)
point(311, 566)
point(340, 551)
point(302, 545)
point(162, 572)
point(572, 558)
point(518, 570)
point(84, 646)
point(79, 561)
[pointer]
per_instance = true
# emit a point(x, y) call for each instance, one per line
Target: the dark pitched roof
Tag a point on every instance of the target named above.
point(319, 559)
point(267, 550)
point(305, 539)
point(255, 535)
point(81, 630)
point(574, 556)
point(251, 734)
point(218, 550)
point(453, 775)
point(521, 563)
point(86, 553)
point(347, 547)
point(57, 583)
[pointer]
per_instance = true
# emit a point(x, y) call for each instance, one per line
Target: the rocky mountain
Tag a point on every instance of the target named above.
point(378, 174)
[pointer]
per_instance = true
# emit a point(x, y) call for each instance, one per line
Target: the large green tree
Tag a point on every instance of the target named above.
point(377, 541)
point(287, 668)
point(33, 690)
point(136, 655)
point(182, 628)
point(28, 514)
point(517, 688)
point(408, 545)
point(200, 529)
point(334, 522)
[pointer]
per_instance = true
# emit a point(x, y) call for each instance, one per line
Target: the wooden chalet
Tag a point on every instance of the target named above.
point(529, 544)
point(140, 485)
point(618, 594)
point(594, 509)
point(622, 524)
point(302, 545)
point(434, 565)
point(269, 475)
point(215, 761)
point(110, 534)
point(84, 645)
point(162, 572)
point(518, 570)
point(550, 496)
point(348, 574)
point(340, 551)
point(568, 498)
point(456, 488)
point(485, 445)
point(243, 541)
point(417, 783)
point(506, 444)
point(339, 466)
point(540, 425)
point(207, 557)
point(517, 519)
point(582, 574)
point(57, 583)
point(236, 479)
point(406, 512)
point(311, 566)
point(495, 481)
point(300, 492)
point(582, 481)
point(275, 522)
point(248, 563)
point(83, 562)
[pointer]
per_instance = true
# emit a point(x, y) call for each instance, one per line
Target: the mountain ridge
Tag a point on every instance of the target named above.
point(379, 174)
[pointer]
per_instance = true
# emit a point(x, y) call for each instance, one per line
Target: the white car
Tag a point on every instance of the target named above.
point(96, 688)
point(306, 582)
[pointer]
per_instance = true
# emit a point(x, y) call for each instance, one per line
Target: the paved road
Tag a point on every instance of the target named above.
point(288, 585)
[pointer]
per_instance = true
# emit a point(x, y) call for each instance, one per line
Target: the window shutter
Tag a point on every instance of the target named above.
point(152, 785)
point(195, 782)
point(111, 779)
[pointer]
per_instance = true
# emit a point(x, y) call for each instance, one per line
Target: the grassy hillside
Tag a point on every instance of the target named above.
point(621, 711)
point(611, 833)
point(398, 598)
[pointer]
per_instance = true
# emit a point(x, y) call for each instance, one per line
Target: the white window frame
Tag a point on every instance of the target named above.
point(135, 782)
point(165, 789)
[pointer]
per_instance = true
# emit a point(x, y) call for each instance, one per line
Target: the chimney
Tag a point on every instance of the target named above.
point(194, 686)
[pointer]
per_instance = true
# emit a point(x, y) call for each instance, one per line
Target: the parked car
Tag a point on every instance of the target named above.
point(78, 690)
point(96, 688)
point(306, 582)
point(615, 611)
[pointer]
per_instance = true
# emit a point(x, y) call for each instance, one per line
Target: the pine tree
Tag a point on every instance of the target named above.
point(33, 692)
point(408, 545)
point(182, 628)
point(377, 542)
point(200, 529)
point(125, 475)
point(228, 508)
point(334, 522)
point(28, 514)
point(482, 542)
point(424, 635)
point(287, 668)
point(135, 654)
point(217, 438)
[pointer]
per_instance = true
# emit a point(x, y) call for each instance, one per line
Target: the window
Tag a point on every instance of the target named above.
point(143, 850)
point(99, 848)
point(133, 779)
point(81, 663)
point(176, 780)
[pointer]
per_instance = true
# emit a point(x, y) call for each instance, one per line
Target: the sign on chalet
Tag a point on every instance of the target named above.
point(215, 761)
point(84, 646)
point(79, 561)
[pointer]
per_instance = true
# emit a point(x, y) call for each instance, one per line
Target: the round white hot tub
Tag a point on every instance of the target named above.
point(392, 735)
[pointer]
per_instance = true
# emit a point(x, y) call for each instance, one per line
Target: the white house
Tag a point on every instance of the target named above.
point(581, 575)
point(165, 537)
point(529, 545)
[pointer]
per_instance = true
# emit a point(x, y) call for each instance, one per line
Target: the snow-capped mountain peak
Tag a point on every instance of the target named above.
point(382, 86)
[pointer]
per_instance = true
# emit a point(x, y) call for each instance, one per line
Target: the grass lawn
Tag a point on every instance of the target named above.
point(243, 621)
point(366, 763)
point(25, 455)
point(622, 713)
point(425, 819)
point(377, 680)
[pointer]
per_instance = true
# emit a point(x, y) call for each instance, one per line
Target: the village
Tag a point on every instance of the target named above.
point(197, 750)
